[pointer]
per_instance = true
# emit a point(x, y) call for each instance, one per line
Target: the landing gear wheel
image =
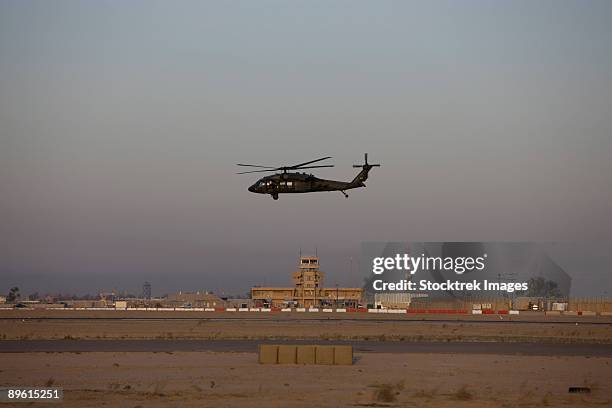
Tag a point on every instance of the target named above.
point(345, 195)
point(275, 196)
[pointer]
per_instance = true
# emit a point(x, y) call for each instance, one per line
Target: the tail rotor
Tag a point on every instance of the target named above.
point(358, 181)
point(366, 165)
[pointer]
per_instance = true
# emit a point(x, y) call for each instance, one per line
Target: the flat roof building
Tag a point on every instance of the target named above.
point(194, 299)
point(307, 291)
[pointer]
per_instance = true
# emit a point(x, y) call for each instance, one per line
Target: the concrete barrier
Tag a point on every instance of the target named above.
point(230, 309)
point(287, 354)
point(254, 309)
point(328, 310)
point(324, 355)
point(569, 313)
point(343, 355)
point(286, 309)
point(340, 310)
point(243, 309)
point(587, 313)
point(268, 354)
point(476, 312)
point(513, 312)
point(209, 309)
point(313, 310)
point(305, 354)
point(263, 309)
point(300, 309)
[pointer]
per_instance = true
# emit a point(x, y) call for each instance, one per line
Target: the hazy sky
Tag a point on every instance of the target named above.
point(121, 122)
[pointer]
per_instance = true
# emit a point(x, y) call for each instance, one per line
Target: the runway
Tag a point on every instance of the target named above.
point(250, 346)
point(319, 317)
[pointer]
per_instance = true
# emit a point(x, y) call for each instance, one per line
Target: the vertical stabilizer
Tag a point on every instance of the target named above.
point(363, 174)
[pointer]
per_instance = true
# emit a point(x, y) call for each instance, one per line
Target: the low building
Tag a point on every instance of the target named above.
point(46, 305)
point(395, 300)
point(240, 303)
point(121, 304)
point(307, 291)
point(87, 303)
point(194, 299)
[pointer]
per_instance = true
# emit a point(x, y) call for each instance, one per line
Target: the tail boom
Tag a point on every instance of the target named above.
point(359, 180)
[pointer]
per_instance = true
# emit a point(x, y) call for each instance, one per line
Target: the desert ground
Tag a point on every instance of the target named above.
point(207, 379)
point(311, 328)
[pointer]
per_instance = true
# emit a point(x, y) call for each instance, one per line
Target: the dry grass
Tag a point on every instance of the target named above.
point(462, 394)
point(422, 393)
point(387, 392)
point(158, 387)
point(545, 402)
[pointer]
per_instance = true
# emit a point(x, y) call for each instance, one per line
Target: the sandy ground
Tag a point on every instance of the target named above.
point(30, 329)
point(223, 379)
point(206, 379)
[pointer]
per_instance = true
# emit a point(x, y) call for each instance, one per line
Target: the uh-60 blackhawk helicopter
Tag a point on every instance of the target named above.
point(287, 182)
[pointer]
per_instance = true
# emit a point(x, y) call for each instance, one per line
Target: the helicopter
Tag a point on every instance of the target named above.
point(287, 182)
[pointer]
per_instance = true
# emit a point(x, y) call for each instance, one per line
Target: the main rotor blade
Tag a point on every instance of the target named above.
point(256, 171)
point(255, 165)
point(308, 162)
point(286, 168)
point(313, 167)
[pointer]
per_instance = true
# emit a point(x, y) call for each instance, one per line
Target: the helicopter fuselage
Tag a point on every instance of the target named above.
point(299, 183)
point(288, 182)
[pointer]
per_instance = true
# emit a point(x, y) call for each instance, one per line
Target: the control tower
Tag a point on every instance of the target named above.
point(308, 281)
point(307, 291)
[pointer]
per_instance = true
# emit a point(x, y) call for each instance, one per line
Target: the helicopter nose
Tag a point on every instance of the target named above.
point(252, 188)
